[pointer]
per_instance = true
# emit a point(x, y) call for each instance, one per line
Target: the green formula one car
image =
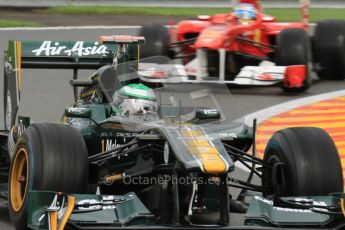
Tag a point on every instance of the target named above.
point(133, 155)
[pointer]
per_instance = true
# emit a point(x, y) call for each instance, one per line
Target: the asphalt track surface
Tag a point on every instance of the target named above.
point(46, 93)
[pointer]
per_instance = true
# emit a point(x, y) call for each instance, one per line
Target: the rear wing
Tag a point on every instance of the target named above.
point(72, 55)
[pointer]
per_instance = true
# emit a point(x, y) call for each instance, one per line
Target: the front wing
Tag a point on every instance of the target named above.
point(176, 73)
point(52, 210)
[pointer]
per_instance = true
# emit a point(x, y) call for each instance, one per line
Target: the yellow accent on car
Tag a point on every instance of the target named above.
point(213, 163)
point(197, 142)
point(53, 219)
point(64, 119)
point(115, 177)
point(19, 65)
point(203, 150)
point(342, 206)
point(68, 213)
point(191, 133)
point(88, 93)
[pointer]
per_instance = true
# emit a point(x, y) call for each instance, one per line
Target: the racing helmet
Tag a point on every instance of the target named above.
point(134, 99)
point(245, 12)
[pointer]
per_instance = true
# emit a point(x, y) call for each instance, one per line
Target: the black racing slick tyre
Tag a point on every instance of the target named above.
point(329, 49)
point(305, 163)
point(50, 157)
point(293, 48)
point(157, 39)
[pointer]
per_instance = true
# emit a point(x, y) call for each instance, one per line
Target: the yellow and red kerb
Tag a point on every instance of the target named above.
point(328, 114)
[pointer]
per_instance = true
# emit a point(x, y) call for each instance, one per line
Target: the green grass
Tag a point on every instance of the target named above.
point(12, 23)
point(289, 15)
point(282, 14)
point(163, 11)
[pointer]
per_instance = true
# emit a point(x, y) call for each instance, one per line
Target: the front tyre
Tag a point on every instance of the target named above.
point(329, 49)
point(293, 48)
point(157, 39)
point(50, 157)
point(306, 163)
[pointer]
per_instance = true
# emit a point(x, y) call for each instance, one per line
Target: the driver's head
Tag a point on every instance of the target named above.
point(134, 99)
point(245, 12)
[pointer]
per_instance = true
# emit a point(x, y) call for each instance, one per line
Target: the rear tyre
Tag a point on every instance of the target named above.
point(329, 49)
point(308, 157)
point(50, 157)
point(156, 41)
point(293, 49)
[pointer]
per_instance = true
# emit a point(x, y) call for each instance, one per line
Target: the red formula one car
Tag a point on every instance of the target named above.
point(249, 47)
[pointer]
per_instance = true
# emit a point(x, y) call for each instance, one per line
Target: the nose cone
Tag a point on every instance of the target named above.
point(212, 38)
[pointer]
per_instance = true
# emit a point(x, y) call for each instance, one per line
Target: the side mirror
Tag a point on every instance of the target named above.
point(207, 114)
point(78, 112)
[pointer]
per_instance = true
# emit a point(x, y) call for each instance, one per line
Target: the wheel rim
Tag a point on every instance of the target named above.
point(19, 179)
point(274, 159)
